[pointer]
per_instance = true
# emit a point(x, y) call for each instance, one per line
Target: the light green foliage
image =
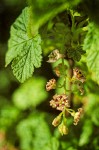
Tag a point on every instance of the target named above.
point(91, 45)
point(30, 94)
point(95, 116)
point(42, 10)
point(92, 104)
point(34, 134)
point(8, 115)
point(86, 133)
point(92, 101)
point(23, 51)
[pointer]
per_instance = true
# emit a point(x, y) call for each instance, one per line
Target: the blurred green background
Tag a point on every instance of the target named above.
point(25, 114)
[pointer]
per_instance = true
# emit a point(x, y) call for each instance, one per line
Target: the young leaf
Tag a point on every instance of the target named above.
point(23, 51)
point(75, 53)
point(91, 45)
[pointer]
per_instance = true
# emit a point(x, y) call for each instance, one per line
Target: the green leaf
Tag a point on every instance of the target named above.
point(95, 116)
point(61, 34)
point(75, 53)
point(43, 11)
point(91, 45)
point(34, 134)
point(86, 133)
point(8, 115)
point(31, 93)
point(58, 36)
point(23, 51)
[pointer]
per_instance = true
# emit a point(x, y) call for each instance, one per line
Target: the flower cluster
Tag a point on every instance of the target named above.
point(77, 74)
point(51, 84)
point(79, 79)
point(60, 102)
point(77, 115)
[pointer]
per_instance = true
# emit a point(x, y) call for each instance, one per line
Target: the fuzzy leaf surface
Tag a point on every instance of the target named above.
point(91, 45)
point(23, 51)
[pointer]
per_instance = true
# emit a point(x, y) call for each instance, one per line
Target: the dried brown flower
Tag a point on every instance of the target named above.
point(51, 84)
point(78, 75)
point(57, 71)
point(77, 116)
point(54, 56)
point(59, 102)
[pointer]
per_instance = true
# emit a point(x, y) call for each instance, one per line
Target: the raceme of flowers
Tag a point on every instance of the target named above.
point(61, 102)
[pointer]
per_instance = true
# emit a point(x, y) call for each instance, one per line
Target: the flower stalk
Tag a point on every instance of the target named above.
point(62, 102)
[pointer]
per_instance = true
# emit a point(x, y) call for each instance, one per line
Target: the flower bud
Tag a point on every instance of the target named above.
point(63, 129)
point(56, 121)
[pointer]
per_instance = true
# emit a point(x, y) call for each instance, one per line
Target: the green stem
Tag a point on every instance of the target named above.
point(73, 21)
point(72, 27)
point(70, 110)
point(64, 75)
point(65, 84)
point(70, 73)
point(73, 24)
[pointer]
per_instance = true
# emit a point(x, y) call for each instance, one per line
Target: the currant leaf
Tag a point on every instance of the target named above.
point(24, 51)
point(75, 53)
point(91, 45)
